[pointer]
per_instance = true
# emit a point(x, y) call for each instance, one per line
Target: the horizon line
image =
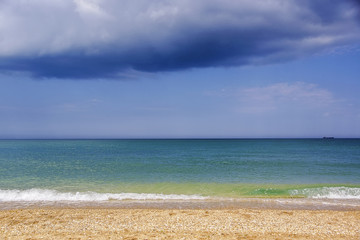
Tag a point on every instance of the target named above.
point(182, 138)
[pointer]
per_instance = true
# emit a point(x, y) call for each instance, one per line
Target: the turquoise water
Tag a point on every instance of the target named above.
point(57, 170)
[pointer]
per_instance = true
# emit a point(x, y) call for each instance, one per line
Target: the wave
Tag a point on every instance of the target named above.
point(328, 192)
point(53, 195)
point(35, 194)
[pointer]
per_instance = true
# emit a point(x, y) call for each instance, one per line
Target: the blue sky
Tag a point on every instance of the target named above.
point(148, 69)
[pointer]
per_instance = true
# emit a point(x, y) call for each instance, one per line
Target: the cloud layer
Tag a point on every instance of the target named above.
point(109, 38)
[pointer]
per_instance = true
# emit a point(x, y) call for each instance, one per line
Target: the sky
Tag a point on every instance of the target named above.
point(179, 68)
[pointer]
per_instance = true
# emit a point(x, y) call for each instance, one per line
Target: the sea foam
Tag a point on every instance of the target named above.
point(53, 195)
point(328, 192)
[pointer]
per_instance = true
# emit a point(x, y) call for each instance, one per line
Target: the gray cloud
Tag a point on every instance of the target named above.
point(105, 38)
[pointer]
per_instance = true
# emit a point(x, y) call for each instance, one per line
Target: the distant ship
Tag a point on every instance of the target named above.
point(328, 137)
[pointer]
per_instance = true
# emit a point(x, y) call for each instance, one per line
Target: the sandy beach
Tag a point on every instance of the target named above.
point(178, 224)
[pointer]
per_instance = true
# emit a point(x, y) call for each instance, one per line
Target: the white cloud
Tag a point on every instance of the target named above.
point(298, 91)
point(90, 7)
point(284, 96)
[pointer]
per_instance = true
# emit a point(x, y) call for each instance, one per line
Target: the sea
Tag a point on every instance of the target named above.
point(181, 173)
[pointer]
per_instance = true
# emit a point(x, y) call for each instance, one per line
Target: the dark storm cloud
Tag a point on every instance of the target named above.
point(104, 38)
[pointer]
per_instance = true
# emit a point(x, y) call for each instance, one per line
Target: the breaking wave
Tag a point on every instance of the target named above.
point(53, 195)
point(328, 192)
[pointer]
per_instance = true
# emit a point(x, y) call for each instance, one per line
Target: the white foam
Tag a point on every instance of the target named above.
point(52, 195)
point(329, 192)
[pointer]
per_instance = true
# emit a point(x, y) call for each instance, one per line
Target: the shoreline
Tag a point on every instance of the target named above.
point(262, 203)
point(152, 223)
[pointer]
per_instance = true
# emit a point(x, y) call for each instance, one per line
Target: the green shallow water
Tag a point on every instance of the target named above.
point(229, 190)
point(222, 190)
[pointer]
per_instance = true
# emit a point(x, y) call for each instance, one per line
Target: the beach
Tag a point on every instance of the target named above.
point(180, 189)
point(114, 223)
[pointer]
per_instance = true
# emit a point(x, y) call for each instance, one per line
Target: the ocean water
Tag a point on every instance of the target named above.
point(321, 173)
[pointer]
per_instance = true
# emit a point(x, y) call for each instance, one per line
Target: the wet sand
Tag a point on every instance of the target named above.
point(110, 223)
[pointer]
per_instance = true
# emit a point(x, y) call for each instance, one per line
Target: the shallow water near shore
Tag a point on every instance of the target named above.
point(274, 173)
point(241, 203)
